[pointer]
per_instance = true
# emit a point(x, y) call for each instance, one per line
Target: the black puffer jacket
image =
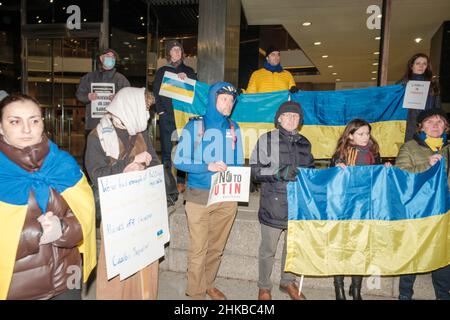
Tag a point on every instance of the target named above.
point(274, 150)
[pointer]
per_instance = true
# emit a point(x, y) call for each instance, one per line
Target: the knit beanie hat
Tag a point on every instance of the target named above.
point(289, 106)
point(169, 45)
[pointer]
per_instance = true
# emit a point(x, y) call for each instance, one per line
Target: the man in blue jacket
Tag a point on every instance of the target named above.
point(208, 144)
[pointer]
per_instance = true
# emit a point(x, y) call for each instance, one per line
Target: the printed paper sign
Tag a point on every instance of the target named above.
point(416, 95)
point(103, 91)
point(134, 220)
point(175, 88)
point(230, 185)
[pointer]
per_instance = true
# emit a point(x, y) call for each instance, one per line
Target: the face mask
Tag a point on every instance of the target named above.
point(109, 63)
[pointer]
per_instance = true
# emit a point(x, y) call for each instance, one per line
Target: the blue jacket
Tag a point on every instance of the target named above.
point(208, 139)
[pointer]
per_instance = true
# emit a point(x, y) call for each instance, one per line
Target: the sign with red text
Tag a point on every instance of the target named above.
point(416, 95)
point(230, 185)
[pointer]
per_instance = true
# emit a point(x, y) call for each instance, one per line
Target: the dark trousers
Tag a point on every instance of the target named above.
point(439, 277)
point(167, 128)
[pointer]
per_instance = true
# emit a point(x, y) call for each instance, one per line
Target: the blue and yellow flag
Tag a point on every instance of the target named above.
point(59, 171)
point(367, 220)
point(326, 114)
point(173, 87)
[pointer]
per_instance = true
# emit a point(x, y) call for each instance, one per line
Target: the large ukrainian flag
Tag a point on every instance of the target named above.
point(367, 220)
point(326, 114)
point(62, 173)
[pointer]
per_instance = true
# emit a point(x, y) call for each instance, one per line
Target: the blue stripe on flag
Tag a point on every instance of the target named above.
point(178, 84)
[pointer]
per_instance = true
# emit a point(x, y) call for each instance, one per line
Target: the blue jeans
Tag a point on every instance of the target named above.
point(441, 284)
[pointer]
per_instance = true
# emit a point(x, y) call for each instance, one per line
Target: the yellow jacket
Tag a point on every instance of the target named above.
point(263, 80)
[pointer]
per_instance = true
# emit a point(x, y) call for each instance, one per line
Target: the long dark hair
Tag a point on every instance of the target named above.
point(344, 143)
point(428, 74)
point(16, 97)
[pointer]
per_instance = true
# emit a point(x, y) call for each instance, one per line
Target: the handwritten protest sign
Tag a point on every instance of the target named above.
point(230, 185)
point(134, 218)
point(416, 94)
point(103, 91)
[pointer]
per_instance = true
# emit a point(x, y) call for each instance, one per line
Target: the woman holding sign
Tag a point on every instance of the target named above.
point(47, 210)
point(120, 144)
point(419, 69)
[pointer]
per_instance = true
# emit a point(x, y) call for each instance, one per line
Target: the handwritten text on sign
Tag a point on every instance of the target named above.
point(134, 218)
point(230, 185)
point(416, 94)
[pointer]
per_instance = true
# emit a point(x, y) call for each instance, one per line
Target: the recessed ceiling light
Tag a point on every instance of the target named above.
point(39, 21)
point(418, 40)
point(377, 38)
point(374, 71)
point(375, 63)
point(334, 73)
point(330, 66)
point(318, 43)
point(142, 18)
point(306, 24)
point(379, 16)
point(376, 53)
point(324, 56)
point(338, 80)
point(374, 78)
point(84, 20)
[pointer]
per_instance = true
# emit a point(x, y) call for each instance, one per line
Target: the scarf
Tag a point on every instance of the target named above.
point(358, 155)
point(128, 110)
point(271, 68)
point(59, 171)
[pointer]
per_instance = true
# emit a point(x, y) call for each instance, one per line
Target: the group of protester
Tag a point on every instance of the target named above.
point(50, 222)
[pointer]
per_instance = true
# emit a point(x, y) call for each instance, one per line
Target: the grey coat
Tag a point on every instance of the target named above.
point(84, 88)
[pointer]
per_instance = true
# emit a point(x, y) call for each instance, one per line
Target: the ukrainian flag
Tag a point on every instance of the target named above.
point(173, 87)
point(367, 220)
point(62, 173)
point(326, 115)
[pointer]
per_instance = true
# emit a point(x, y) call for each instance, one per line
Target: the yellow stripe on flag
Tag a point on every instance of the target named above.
point(177, 90)
point(371, 247)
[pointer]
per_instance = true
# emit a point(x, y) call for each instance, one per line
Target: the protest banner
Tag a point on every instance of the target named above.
point(175, 88)
point(230, 185)
point(103, 91)
point(416, 94)
point(134, 218)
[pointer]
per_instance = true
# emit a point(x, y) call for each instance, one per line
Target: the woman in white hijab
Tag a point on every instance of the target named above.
point(120, 144)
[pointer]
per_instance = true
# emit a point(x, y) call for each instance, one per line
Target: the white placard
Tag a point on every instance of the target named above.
point(175, 88)
point(230, 185)
point(416, 94)
point(103, 91)
point(134, 219)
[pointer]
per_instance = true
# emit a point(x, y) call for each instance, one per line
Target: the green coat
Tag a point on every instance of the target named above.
point(413, 156)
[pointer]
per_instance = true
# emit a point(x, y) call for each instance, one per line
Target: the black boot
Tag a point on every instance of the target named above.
point(355, 288)
point(339, 287)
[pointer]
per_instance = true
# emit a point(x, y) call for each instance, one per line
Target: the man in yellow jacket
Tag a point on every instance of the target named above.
point(272, 77)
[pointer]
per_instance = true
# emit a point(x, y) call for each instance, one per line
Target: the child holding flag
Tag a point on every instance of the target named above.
point(355, 147)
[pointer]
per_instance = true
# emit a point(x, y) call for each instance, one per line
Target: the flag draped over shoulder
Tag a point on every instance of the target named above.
point(326, 114)
point(368, 220)
point(59, 171)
